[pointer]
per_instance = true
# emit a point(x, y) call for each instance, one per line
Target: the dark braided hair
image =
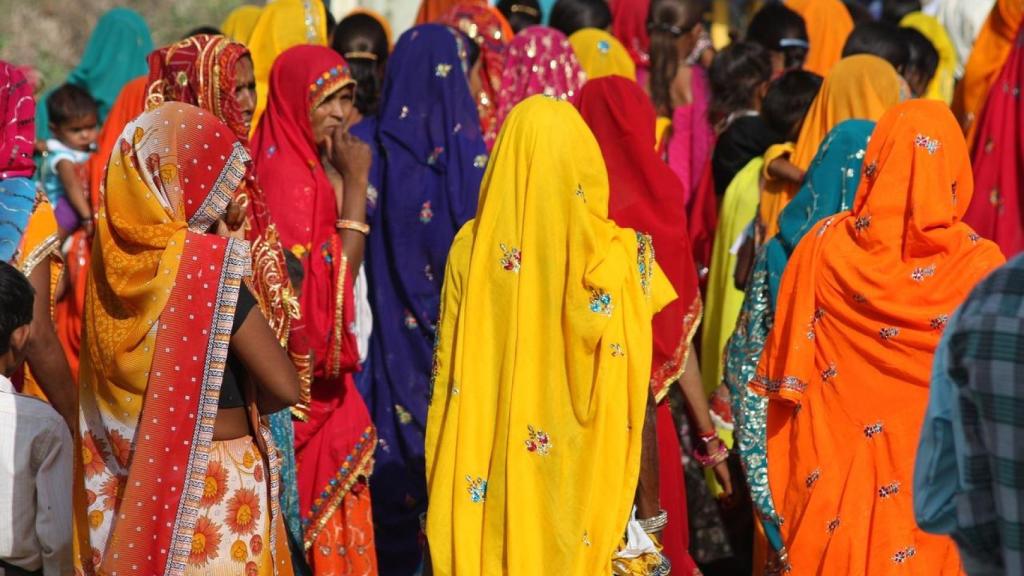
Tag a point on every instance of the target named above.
point(363, 42)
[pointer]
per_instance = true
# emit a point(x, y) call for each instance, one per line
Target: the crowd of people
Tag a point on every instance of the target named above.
point(597, 288)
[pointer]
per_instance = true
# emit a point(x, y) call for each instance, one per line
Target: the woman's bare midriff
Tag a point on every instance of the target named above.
point(231, 423)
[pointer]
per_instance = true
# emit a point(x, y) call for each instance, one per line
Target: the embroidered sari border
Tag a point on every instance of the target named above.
point(673, 370)
point(362, 456)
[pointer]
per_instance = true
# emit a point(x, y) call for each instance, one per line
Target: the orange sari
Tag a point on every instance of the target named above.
point(991, 49)
point(862, 305)
point(861, 86)
point(828, 24)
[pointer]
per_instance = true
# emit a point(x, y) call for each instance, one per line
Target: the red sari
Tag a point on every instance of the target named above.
point(334, 446)
point(996, 211)
point(645, 195)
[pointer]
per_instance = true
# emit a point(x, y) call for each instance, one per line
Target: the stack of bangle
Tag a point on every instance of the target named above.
point(654, 524)
point(361, 227)
point(707, 459)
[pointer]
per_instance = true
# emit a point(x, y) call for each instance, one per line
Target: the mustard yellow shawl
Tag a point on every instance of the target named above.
point(542, 364)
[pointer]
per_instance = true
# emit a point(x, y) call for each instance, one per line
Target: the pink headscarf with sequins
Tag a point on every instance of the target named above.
point(540, 60)
point(17, 133)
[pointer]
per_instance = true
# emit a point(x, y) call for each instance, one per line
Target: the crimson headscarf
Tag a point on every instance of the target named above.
point(200, 70)
point(297, 193)
point(629, 25)
point(996, 211)
point(647, 196)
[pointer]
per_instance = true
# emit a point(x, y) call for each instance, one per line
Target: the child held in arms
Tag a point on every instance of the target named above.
point(74, 124)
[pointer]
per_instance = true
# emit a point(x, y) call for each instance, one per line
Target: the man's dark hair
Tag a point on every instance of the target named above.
point(16, 298)
point(69, 102)
point(787, 101)
point(568, 16)
point(879, 39)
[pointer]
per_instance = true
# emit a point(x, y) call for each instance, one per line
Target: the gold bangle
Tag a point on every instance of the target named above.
point(361, 227)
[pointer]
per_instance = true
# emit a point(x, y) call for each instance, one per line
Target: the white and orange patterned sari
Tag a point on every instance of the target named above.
point(158, 494)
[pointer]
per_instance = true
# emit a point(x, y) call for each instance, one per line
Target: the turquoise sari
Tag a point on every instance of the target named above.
point(828, 188)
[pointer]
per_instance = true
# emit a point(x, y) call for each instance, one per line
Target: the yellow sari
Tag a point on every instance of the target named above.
point(601, 54)
point(543, 362)
point(739, 206)
point(281, 25)
point(240, 23)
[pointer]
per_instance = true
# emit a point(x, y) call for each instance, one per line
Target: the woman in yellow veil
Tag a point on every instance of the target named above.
point(543, 360)
point(240, 23)
point(281, 25)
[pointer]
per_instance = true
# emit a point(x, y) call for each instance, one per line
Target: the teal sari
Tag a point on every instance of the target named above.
point(116, 53)
point(828, 188)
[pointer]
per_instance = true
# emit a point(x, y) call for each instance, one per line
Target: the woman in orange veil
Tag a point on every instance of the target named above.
point(828, 24)
point(846, 368)
point(990, 52)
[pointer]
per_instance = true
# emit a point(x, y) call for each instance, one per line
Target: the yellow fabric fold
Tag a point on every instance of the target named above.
point(543, 360)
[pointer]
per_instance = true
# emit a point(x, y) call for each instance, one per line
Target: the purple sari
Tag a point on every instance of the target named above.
point(432, 160)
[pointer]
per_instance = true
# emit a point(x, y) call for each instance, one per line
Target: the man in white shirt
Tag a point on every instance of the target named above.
point(35, 454)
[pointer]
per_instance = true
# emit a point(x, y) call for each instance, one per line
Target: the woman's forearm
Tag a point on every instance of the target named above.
point(648, 502)
point(693, 392)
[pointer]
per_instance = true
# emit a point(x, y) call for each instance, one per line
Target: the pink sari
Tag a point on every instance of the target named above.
point(687, 149)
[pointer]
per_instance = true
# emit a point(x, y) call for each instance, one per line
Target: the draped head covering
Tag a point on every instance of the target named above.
point(129, 104)
point(159, 311)
point(434, 10)
point(647, 196)
point(281, 25)
point(861, 307)
point(543, 362)
point(601, 54)
point(539, 61)
point(434, 157)
point(17, 191)
point(829, 187)
point(115, 54)
point(200, 70)
point(997, 210)
point(488, 29)
point(334, 444)
point(861, 86)
point(240, 22)
point(17, 133)
point(942, 84)
point(962, 19)
point(629, 25)
point(296, 191)
point(990, 51)
point(828, 24)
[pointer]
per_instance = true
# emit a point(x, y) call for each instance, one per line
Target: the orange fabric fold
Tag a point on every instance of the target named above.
point(828, 24)
point(846, 368)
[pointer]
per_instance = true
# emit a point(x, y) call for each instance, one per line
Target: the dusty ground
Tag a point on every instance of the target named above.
point(50, 35)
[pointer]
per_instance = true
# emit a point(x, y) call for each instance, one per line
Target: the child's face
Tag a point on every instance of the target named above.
point(78, 133)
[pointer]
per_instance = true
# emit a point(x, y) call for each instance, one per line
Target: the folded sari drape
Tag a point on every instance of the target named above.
point(829, 187)
point(997, 210)
point(861, 306)
point(159, 309)
point(543, 362)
